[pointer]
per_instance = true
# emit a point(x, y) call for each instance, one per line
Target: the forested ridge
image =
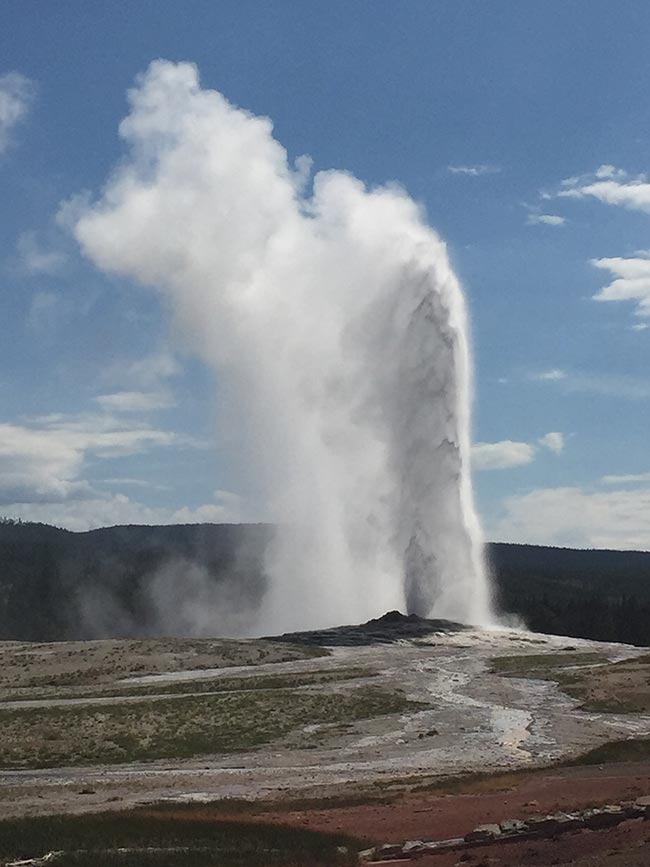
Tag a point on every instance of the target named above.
point(585, 593)
point(56, 584)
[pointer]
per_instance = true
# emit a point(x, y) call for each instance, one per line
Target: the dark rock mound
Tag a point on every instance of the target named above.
point(387, 629)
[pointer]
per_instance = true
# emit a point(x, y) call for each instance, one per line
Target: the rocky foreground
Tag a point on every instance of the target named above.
point(549, 826)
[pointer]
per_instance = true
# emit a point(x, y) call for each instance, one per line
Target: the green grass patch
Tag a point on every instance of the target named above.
point(179, 727)
point(542, 665)
point(164, 841)
point(631, 750)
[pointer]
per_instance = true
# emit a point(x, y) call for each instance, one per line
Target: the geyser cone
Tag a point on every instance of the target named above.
point(338, 329)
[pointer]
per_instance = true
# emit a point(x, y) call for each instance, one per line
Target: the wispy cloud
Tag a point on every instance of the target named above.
point(545, 220)
point(474, 171)
point(627, 479)
point(553, 441)
point(631, 282)
point(147, 373)
point(16, 96)
point(610, 185)
point(120, 482)
point(615, 186)
point(43, 310)
point(135, 401)
point(605, 384)
point(36, 259)
point(552, 375)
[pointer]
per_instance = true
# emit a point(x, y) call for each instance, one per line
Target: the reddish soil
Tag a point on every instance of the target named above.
point(435, 815)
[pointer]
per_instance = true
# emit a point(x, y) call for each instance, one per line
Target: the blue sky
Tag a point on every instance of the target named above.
point(523, 129)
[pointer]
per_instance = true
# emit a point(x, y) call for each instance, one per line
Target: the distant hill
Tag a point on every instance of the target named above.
point(139, 581)
point(130, 581)
point(586, 593)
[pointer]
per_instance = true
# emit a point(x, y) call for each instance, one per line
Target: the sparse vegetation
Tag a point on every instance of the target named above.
point(600, 686)
point(199, 686)
point(178, 728)
point(543, 665)
point(151, 839)
point(630, 750)
point(43, 670)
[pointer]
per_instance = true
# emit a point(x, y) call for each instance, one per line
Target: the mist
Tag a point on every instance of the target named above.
point(338, 331)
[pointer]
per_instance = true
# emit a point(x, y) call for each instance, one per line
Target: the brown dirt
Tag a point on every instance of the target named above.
point(438, 815)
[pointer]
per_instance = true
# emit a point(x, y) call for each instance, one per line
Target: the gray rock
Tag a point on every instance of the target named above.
point(483, 832)
point(605, 817)
point(543, 824)
point(632, 810)
point(569, 821)
point(387, 851)
point(643, 804)
point(513, 826)
point(413, 847)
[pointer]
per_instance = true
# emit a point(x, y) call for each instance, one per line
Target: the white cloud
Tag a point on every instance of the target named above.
point(16, 95)
point(507, 453)
point(475, 170)
point(135, 401)
point(545, 219)
point(611, 186)
point(631, 274)
point(640, 326)
point(575, 517)
point(228, 508)
point(41, 461)
point(631, 282)
point(553, 375)
point(553, 441)
point(609, 171)
point(501, 455)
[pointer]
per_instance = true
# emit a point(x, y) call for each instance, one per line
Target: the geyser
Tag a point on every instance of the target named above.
point(338, 331)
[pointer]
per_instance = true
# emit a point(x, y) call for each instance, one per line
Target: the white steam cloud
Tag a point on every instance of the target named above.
point(338, 329)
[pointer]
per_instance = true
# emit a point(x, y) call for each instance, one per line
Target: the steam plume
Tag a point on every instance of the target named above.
point(339, 328)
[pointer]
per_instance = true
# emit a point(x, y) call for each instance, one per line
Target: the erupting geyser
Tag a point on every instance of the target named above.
point(338, 331)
